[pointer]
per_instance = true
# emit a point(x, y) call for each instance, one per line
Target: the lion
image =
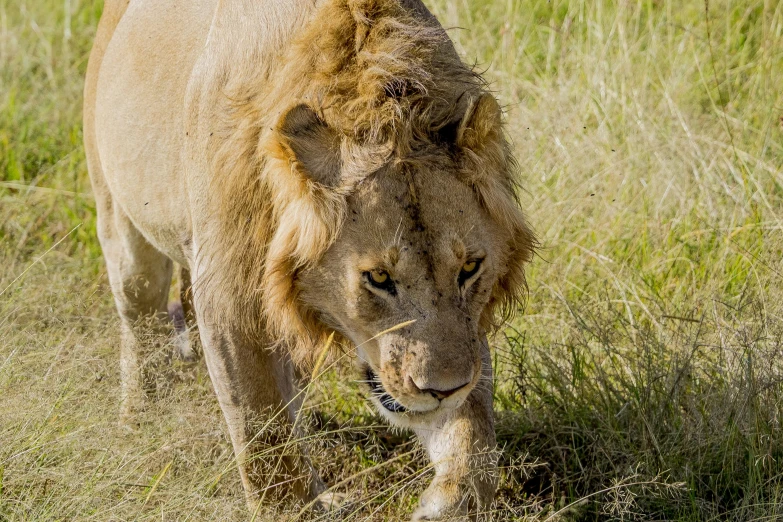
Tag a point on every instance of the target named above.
point(318, 168)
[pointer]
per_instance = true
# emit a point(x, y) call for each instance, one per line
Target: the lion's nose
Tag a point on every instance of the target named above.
point(438, 394)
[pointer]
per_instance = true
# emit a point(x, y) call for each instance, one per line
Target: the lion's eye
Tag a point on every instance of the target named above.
point(469, 269)
point(380, 279)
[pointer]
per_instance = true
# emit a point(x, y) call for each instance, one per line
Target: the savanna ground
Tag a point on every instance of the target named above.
point(644, 378)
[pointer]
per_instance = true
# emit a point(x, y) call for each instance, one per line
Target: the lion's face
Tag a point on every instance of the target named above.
point(415, 246)
point(370, 238)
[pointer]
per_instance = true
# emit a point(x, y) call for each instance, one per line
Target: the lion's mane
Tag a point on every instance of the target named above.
point(385, 78)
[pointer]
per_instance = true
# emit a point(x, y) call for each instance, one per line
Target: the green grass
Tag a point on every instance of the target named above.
point(644, 380)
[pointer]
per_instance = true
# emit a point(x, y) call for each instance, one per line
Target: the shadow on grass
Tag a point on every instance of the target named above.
point(685, 404)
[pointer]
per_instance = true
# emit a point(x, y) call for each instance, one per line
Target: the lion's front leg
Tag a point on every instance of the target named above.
point(257, 391)
point(462, 449)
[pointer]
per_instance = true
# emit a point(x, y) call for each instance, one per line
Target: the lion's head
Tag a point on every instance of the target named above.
point(381, 193)
point(418, 242)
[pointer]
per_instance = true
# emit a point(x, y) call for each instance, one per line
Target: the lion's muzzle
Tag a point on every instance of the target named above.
point(415, 377)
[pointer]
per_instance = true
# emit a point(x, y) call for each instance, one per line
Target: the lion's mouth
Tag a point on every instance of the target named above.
point(386, 400)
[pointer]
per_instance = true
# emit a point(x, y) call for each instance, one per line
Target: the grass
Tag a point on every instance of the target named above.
point(643, 380)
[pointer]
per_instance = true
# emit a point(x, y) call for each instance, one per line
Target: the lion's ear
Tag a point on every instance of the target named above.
point(311, 144)
point(481, 126)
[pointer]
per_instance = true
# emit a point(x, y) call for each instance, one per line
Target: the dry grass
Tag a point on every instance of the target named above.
point(643, 381)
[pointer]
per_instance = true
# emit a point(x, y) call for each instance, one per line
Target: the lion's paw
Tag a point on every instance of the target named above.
point(330, 501)
point(440, 502)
